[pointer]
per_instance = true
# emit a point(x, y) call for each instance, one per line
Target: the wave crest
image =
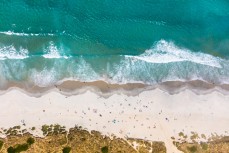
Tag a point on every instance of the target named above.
point(53, 52)
point(11, 33)
point(10, 52)
point(167, 52)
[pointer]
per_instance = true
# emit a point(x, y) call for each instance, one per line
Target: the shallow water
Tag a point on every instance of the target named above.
point(43, 42)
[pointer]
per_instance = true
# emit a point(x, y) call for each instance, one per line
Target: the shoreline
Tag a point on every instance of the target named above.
point(105, 89)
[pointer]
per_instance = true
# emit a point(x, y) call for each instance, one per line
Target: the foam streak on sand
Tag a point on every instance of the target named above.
point(152, 115)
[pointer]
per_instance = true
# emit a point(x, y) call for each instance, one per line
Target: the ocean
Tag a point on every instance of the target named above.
point(43, 42)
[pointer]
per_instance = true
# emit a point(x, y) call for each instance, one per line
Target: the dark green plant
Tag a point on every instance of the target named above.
point(30, 141)
point(10, 150)
point(204, 146)
point(1, 144)
point(192, 149)
point(104, 149)
point(45, 129)
point(66, 149)
point(21, 147)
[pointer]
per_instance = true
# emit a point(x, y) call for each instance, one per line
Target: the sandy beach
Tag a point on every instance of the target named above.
point(109, 76)
point(153, 115)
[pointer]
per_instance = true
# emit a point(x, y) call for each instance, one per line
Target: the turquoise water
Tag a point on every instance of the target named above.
point(45, 41)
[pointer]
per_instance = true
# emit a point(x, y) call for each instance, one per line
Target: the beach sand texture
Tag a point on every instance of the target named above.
point(153, 115)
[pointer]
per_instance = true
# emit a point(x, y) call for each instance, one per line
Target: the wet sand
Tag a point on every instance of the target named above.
point(73, 87)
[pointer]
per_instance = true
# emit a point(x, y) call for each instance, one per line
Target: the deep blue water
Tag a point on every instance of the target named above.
point(45, 41)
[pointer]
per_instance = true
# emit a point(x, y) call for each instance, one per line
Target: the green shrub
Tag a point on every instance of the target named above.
point(104, 149)
point(45, 129)
point(204, 146)
point(181, 134)
point(67, 149)
point(192, 149)
point(30, 141)
point(10, 150)
point(1, 144)
point(21, 147)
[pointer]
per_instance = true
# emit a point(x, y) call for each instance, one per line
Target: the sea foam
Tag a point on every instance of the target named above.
point(43, 78)
point(10, 52)
point(167, 52)
point(11, 33)
point(53, 51)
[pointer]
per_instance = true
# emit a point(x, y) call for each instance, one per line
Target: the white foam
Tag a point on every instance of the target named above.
point(25, 34)
point(10, 52)
point(83, 71)
point(14, 33)
point(53, 52)
point(43, 78)
point(167, 52)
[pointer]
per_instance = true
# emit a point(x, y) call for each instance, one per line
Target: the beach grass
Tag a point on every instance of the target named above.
point(57, 139)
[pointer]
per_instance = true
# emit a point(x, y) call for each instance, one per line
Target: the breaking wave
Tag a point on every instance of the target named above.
point(10, 52)
point(163, 62)
point(167, 52)
point(11, 33)
point(53, 51)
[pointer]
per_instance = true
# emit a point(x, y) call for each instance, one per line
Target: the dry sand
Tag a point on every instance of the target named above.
point(151, 115)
